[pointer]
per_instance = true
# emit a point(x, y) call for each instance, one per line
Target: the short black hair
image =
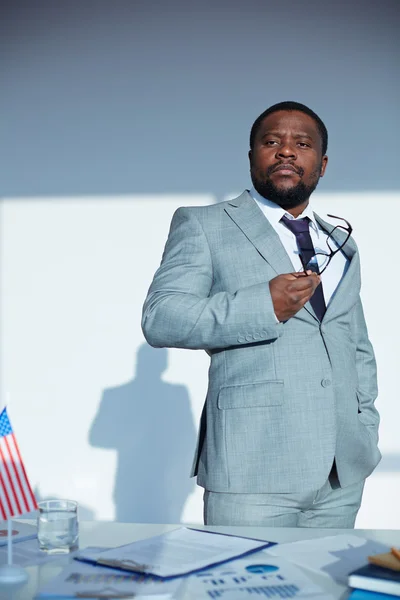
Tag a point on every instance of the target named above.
point(290, 105)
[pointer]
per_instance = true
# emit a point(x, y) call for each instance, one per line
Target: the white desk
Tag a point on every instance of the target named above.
point(98, 533)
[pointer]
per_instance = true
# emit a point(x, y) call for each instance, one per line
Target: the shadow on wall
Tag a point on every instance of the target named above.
point(150, 424)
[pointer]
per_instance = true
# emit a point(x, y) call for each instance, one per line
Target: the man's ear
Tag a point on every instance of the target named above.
point(324, 162)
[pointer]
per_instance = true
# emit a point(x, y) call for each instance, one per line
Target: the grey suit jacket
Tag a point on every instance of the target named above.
point(284, 399)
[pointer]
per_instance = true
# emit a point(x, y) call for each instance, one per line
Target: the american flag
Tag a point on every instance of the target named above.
point(16, 496)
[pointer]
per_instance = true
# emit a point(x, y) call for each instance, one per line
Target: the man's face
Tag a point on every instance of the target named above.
point(286, 161)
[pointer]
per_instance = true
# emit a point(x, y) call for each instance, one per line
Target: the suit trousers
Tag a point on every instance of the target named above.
point(329, 507)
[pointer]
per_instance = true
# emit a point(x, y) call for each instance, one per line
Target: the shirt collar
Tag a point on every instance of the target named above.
point(274, 212)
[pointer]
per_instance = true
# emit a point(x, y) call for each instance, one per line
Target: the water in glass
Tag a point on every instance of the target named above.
point(58, 526)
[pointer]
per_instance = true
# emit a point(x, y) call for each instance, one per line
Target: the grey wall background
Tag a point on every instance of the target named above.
point(155, 100)
point(116, 97)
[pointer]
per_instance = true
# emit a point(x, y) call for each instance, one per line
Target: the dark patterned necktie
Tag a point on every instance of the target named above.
point(301, 229)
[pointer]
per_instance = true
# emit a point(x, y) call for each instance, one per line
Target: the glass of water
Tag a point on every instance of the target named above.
point(57, 527)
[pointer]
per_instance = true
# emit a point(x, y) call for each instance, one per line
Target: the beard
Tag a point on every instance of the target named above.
point(286, 198)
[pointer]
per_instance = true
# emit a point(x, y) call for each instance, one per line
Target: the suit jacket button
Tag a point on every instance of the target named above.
point(326, 382)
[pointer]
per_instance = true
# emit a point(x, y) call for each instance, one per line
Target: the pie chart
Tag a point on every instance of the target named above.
point(261, 569)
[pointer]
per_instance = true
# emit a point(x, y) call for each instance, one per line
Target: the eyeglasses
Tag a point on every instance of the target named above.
point(320, 260)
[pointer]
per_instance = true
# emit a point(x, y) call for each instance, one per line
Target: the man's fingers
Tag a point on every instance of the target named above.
point(301, 274)
point(301, 297)
point(298, 274)
point(304, 283)
point(305, 298)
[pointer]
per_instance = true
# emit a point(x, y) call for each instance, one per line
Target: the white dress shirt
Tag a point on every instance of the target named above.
point(337, 267)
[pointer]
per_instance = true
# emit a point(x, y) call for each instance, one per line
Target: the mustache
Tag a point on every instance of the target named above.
point(271, 169)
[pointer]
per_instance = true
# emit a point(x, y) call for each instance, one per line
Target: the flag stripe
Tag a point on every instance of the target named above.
point(28, 489)
point(10, 507)
point(16, 471)
point(6, 509)
point(33, 502)
point(29, 498)
point(6, 480)
point(13, 465)
point(7, 459)
point(2, 510)
point(16, 495)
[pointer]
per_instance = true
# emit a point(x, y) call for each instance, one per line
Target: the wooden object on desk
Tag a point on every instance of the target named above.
point(389, 560)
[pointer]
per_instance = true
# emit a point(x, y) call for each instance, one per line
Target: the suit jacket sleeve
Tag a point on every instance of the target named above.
point(181, 309)
point(367, 390)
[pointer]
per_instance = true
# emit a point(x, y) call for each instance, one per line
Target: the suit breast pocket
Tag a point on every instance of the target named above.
point(263, 393)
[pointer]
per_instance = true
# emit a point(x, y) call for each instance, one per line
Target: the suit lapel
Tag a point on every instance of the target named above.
point(348, 285)
point(258, 230)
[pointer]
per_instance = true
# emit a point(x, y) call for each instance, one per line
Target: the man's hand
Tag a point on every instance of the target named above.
point(291, 291)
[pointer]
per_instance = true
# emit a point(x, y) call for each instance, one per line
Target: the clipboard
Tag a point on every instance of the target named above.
point(228, 547)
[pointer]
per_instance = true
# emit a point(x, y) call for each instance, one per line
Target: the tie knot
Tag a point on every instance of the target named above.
point(297, 226)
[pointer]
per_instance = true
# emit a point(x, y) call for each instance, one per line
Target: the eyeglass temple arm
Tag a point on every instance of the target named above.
point(341, 219)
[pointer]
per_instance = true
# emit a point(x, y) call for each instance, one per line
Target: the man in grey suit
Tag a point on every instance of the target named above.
point(270, 290)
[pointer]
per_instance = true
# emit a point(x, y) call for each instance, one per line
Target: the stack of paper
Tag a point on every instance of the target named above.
point(27, 553)
point(81, 580)
point(20, 532)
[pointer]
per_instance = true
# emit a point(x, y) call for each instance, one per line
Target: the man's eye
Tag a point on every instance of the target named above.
point(304, 145)
point(270, 142)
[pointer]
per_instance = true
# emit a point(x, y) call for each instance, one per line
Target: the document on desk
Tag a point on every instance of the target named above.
point(27, 554)
point(20, 532)
point(81, 580)
point(335, 555)
point(177, 553)
point(260, 575)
